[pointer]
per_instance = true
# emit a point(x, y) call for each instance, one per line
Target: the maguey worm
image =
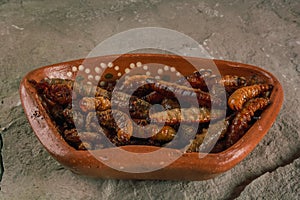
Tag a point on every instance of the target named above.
point(241, 95)
point(214, 132)
point(240, 123)
point(186, 115)
point(197, 80)
point(154, 132)
point(117, 120)
point(153, 98)
point(184, 93)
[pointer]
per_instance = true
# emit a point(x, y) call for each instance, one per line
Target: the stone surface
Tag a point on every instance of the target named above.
point(283, 183)
point(34, 33)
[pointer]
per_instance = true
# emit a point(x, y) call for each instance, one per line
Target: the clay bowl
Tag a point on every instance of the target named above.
point(188, 166)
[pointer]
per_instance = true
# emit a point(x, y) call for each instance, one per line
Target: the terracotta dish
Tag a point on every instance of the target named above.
point(188, 166)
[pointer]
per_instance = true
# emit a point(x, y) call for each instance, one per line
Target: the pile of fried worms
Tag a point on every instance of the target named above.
point(88, 127)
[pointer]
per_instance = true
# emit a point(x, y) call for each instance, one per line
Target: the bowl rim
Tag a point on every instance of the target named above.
point(214, 162)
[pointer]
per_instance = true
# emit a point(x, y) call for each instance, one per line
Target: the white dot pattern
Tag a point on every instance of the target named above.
point(160, 71)
point(74, 69)
point(145, 67)
point(132, 65)
point(127, 70)
point(110, 64)
point(97, 70)
point(81, 67)
point(90, 77)
point(148, 73)
point(87, 70)
point(138, 64)
point(69, 74)
point(97, 78)
point(103, 65)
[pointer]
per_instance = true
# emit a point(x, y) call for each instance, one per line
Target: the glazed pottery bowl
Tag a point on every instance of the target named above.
point(188, 166)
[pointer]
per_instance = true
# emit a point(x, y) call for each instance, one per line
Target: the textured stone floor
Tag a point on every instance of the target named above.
point(265, 33)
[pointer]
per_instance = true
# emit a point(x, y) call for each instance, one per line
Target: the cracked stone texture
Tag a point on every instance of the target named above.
point(265, 33)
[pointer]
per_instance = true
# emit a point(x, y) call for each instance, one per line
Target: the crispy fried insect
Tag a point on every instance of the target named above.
point(219, 147)
point(91, 122)
point(166, 134)
point(56, 112)
point(56, 81)
point(57, 93)
point(153, 97)
point(215, 132)
point(141, 122)
point(85, 146)
point(233, 81)
point(196, 80)
point(169, 104)
point(82, 140)
point(172, 90)
point(90, 137)
point(119, 122)
point(90, 90)
point(254, 80)
point(107, 85)
point(196, 142)
point(100, 103)
point(138, 108)
point(185, 133)
point(154, 132)
point(241, 95)
point(137, 80)
point(186, 115)
point(241, 121)
point(71, 136)
point(73, 117)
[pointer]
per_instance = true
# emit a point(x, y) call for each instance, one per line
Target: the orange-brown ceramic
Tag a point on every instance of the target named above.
point(189, 166)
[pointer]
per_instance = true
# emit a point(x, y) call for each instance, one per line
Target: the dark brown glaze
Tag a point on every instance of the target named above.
point(241, 95)
point(240, 123)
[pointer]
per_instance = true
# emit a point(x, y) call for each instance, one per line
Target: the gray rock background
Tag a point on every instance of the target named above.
point(35, 33)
